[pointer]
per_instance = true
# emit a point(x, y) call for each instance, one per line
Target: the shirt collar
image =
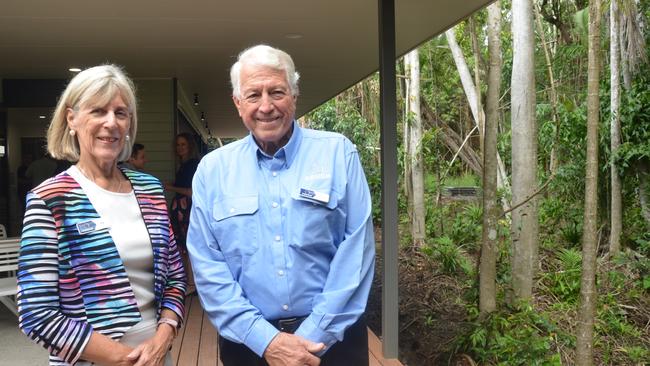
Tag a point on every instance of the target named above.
point(287, 152)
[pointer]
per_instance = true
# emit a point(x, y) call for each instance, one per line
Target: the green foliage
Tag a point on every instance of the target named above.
point(581, 24)
point(572, 233)
point(466, 228)
point(641, 261)
point(635, 123)
point(448, 254)
point(464, 180)
point(563, 278)
point(612, 323)
point(561, 221)
point(514, 336)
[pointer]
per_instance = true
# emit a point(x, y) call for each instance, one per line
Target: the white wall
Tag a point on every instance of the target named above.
point(156, 125)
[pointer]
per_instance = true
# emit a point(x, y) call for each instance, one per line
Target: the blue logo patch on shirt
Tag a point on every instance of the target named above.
point(315, 196)
point(307, 193)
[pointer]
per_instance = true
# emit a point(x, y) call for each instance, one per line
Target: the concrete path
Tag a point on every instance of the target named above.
point(15, 348)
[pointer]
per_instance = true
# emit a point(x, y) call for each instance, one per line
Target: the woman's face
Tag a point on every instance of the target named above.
point(101, 129)
point(182, 147)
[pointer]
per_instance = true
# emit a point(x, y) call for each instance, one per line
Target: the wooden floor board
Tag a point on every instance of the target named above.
point(178, 342)
point(189, 351)
point(208, 345)
point(197, 342)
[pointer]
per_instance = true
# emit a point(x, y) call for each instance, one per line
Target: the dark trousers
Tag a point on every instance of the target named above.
point(352, 351)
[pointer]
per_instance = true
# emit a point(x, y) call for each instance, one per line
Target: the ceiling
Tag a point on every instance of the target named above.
point(334, 43)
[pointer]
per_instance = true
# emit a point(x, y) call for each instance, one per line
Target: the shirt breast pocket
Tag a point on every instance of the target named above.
point(322, 223)
point(235, 225)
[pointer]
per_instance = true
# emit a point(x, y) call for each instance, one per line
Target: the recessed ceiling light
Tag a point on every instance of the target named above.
point(74, 69)
point(41, 116)
point(293, 35)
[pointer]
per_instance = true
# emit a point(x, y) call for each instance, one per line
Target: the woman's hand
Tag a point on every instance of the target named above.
point(153, 351)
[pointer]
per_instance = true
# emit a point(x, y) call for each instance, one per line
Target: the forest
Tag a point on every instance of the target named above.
point(524, 185)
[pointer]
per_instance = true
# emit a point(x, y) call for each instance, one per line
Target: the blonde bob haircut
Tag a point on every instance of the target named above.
point(95, 86)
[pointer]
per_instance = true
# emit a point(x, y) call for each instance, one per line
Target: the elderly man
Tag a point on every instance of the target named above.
point(281, 236)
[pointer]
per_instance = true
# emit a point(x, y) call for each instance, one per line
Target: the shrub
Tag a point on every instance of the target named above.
point(514, 336)
point(450, 256)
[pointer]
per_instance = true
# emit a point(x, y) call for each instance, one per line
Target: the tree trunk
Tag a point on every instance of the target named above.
point(525, 225)
point(634, 39)
point(553, 160)
point(465, 76)
point(615, 132)
point(588, 292)
point(643, 172)
point(406, 140)
point(491, 212)
point(627, 78)
point(470, 93)
point(418, 228)
point(477, 78)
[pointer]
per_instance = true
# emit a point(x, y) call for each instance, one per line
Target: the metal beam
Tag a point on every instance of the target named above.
point(389, 237)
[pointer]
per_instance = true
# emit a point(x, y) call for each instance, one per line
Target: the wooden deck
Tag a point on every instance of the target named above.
point(196, 344)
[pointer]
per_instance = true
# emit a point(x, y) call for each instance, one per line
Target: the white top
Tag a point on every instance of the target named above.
point(121, 213)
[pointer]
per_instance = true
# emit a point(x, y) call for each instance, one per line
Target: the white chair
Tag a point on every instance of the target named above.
point(9, 249)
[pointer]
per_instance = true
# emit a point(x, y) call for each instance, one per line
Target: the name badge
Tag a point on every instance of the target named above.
point(91, 225)
point(313, 195)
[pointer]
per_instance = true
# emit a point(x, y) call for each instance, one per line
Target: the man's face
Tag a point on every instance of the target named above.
point(266, 105)
point(138, 160)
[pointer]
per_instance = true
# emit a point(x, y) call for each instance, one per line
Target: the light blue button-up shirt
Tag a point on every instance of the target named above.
point(275, 237)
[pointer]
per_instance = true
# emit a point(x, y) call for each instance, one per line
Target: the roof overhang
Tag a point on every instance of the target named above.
point(334, 43)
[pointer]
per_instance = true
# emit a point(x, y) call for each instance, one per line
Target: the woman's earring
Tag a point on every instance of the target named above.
point(72, 132)
point(128, 137)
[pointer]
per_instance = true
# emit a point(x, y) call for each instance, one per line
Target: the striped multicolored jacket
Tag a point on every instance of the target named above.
point(71, 284)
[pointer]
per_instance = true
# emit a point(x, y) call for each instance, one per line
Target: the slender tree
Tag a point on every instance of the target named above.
point(588, 293)
point(472, 97)
point(553, 160)
point(525, 226)
point(477, 77)
point(415, 137)
point(616, 220)
point(491, 211)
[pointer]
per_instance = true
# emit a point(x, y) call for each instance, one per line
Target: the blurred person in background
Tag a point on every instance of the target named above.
point(181, 205)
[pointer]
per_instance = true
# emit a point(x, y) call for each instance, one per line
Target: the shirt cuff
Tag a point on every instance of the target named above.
point(260, 336)
point(310, 331)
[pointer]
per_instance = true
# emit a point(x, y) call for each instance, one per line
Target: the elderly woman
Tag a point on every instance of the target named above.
point(100, 279)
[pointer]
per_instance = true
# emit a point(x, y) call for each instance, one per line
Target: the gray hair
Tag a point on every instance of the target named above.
point(265, 56)
point(96, 85)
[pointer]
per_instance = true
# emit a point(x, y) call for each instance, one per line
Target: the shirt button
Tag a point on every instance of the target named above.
point(280, 273)
point(285, 307)
point(232, 209)
point(278, 238)
point(274, 204)
point(275, 174)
